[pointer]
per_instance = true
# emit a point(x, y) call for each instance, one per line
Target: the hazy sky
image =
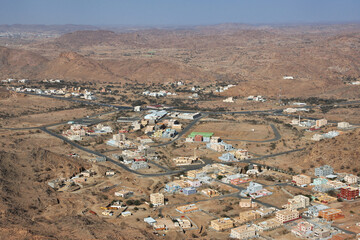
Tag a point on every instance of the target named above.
point(177, 12)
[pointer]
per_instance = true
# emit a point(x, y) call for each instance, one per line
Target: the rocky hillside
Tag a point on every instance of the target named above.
point(342, 153)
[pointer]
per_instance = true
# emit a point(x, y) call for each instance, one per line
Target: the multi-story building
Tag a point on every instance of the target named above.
point(157, 199)
point(268, 225)
point(247, 216)
point(243, 232)
point(315, 209)
point(324, 171)
point(222, 224)
point(321, 122)
point(349, 193)
point(303, 229)
point(297, 202)
point(343, 125)
point(301, 180)
point(331, 214)
point(351, 179)
point(287, 215)
point(210, 192)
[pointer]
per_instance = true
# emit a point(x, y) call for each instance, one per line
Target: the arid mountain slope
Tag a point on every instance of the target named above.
point(341, 152)
point(17, 63)
point(30, 209)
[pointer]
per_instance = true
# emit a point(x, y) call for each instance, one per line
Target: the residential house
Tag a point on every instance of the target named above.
point(303, 229)
point(315, 209)
point(157, 199)
point(123, 193)
point(331, 214)
point(297, 202)
point(254, 187)
point(263, 212)
point(243, 232)
point(287, 215)
point(247, 216)
point(139, 165)
point(323, 171)
point(228, 157)
point(222, 224)
point(210, 192)
point(351, 179)
point(187, 208)
point(180, 161)
point(321, 122)
point(189, 190)
point(268, 225)
point(247, 203)
point(301, 180)
point(343, 125)
point(323, 188)
point(349, 193)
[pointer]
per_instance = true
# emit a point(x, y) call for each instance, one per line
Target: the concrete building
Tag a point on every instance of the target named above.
point(181, 161)
point(351, 179)
point(254, 187)
point(268, 225)
point(323, 188)
point(189, 190)
point(243, 232)
point(187, 208)
point(331, 214)
point(303, 229)
point(247, 203)
point(247, 216)
point(297, 202)
point(315, 209)
point(343, 125)
point(349, 193)
point(139, 165)
point(123, 193)
point(172, 187)
point(228, 157)
point(286, 215)
point(263, 212)
point(301, 180)
point(323, 171)
point(210, 192)
point(157, 199)
point(321, 122)
point(222, 224)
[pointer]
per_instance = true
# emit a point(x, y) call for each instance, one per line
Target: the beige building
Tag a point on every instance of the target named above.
point(243, 232)
point(351, 179)
point(247, 216)
point(222, 224)
point(320, 122)
point(210, 192)
point(268, 225)
point(301, 179)
point(179, 161)
point(157, 199)
point(247, 203)
point(343, 125)
point(187, 208)
point(287, 215)
point(297, 202)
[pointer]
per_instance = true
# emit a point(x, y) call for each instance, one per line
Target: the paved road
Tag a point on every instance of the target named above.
point(187, 128)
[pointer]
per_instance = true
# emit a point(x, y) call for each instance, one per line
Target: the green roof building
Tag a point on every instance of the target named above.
point(204, 134)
